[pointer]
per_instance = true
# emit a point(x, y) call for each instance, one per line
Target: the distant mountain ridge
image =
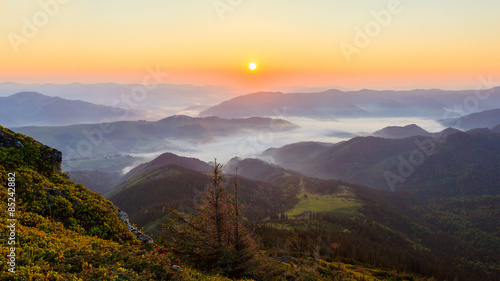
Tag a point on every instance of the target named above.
point(256, 169)
point(168, 159)
point(121, 138)
point(483, 119)
point(396, 132)
point(350, 104)
point(80, 235)
point(267, 103)
point(32, 108)
point(454, 165)
point(361, 218)
point(159, 101)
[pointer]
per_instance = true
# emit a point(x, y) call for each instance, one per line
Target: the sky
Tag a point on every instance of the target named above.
point(390, 44)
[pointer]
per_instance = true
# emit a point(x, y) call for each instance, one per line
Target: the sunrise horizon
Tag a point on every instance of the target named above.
point(384, 44)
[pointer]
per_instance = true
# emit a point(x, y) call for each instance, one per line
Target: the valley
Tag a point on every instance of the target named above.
point(348, 193)
point(232, 140)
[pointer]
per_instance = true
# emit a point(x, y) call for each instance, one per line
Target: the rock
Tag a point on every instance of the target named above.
point(176, 267)
point(52, 191)
point(8, 140)
point(140, 236)
point(53, 156)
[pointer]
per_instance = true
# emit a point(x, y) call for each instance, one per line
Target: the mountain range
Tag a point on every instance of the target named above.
point(457, 164)
point(62, 230)
point(484, 119)
point(35, 109)
point(107, 140)
point(398, 132)
point(153, 101)
point(441, 223)
point(423, 232)
point(400, 204)
point(333, 103)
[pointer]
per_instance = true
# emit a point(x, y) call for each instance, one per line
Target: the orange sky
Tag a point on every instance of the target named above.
point(413, 44)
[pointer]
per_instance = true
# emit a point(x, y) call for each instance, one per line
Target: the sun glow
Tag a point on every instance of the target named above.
point(252, 66)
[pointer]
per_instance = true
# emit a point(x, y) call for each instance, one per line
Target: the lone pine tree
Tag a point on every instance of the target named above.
point(214, 236)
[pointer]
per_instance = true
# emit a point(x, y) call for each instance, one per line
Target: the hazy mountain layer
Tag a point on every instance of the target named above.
point(34, 109)
point(154, 101)
point(484, 119)
point(459, 164)
point(355, 104)
point(345, 220)
point(108, 140)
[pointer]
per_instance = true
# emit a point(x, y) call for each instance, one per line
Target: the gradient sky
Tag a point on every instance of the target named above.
point(445, 43)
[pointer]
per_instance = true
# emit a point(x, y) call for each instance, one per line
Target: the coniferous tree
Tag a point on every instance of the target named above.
point(214, 237)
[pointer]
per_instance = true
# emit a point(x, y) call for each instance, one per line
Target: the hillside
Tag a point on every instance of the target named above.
point(257, 169)
point(307, 228)
point(266, 104)
point(294, 154)
point(35, 109)
point(396, 132)
point(350, 104)
point(106, 146)
point(63, 231)
point(452, 169)
point(97, 181)
point(161, 101)
point(147, 195)
point(310, 213)
point(484, 119)
point(170, 158)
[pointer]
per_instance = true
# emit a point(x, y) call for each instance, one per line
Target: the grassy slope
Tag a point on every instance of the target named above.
point(343, 202)
point(74, 234)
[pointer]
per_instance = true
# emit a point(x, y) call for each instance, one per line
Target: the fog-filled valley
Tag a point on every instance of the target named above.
point(331, 116)
point(232, 140)
point(349, 179)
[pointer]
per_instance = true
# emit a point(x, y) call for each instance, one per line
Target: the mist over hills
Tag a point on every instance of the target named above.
point(400, 132)
point(269, 103)
point(104, 140)
point(153, 101)
point(35, 109)
point(167, 182)
point(397, 222)
point(257, 169)
point(483, 119)
point(395, 132)
point(440, 220)
point(353, 104)
point(55, 215)
point(423, 223)
point(447, 166)
point(168, 159)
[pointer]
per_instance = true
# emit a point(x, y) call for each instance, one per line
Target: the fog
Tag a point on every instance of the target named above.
point(252, 144)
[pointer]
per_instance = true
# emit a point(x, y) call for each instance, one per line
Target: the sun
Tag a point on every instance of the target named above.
point(252, 66)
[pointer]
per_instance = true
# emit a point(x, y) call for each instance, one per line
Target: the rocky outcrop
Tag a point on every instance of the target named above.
point(54, 157)
point(140, 236)
point(49, 154)
point(7, 140)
